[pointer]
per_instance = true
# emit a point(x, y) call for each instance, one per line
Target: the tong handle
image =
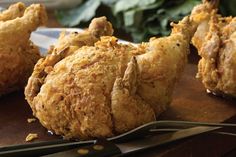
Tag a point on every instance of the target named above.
point(102, 148)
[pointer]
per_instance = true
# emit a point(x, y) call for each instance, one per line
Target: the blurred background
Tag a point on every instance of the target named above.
point(138, 20)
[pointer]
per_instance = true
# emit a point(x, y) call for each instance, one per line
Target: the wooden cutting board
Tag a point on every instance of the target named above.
point(190, 102)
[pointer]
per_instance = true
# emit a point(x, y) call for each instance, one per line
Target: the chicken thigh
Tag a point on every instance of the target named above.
point(90, 85)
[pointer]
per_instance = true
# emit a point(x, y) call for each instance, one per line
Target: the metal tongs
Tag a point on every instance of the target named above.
point(164, 131)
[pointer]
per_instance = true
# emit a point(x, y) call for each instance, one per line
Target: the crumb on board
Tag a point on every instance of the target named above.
point(31, 137)
point(31, 120)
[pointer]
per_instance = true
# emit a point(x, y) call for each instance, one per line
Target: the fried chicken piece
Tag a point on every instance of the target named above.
point(14, 11)
point(17, 53)
point(106, 88)
point(215, 40)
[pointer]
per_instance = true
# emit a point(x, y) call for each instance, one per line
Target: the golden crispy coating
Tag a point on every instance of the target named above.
point(215, 40)
point(17, 53)
point(14, 11)
point(67, 44)
point(73, 41)
point(106, 88)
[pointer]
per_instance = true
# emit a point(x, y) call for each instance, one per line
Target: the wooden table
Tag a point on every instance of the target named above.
point(190, 102)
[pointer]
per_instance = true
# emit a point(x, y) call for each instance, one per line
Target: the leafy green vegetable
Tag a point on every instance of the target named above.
point(183, 9)
point(123, 5)
point(152, 6)
point(141, 18)
point(83, 13)
point(132, 18)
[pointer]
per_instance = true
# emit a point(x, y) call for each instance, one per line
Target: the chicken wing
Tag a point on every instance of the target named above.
point(17, 53)
point(89, 87)
point(215, 40)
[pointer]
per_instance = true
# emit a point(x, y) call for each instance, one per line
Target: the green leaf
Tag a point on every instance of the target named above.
point(123, 5)
point(150, 5)
point(151, 18)
point(146, 2)
point(141, 18)
point(133, 18)
point(109, 2)
point(182, 9)
point(75, 16)
point(154, 30)
point(164, 22)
